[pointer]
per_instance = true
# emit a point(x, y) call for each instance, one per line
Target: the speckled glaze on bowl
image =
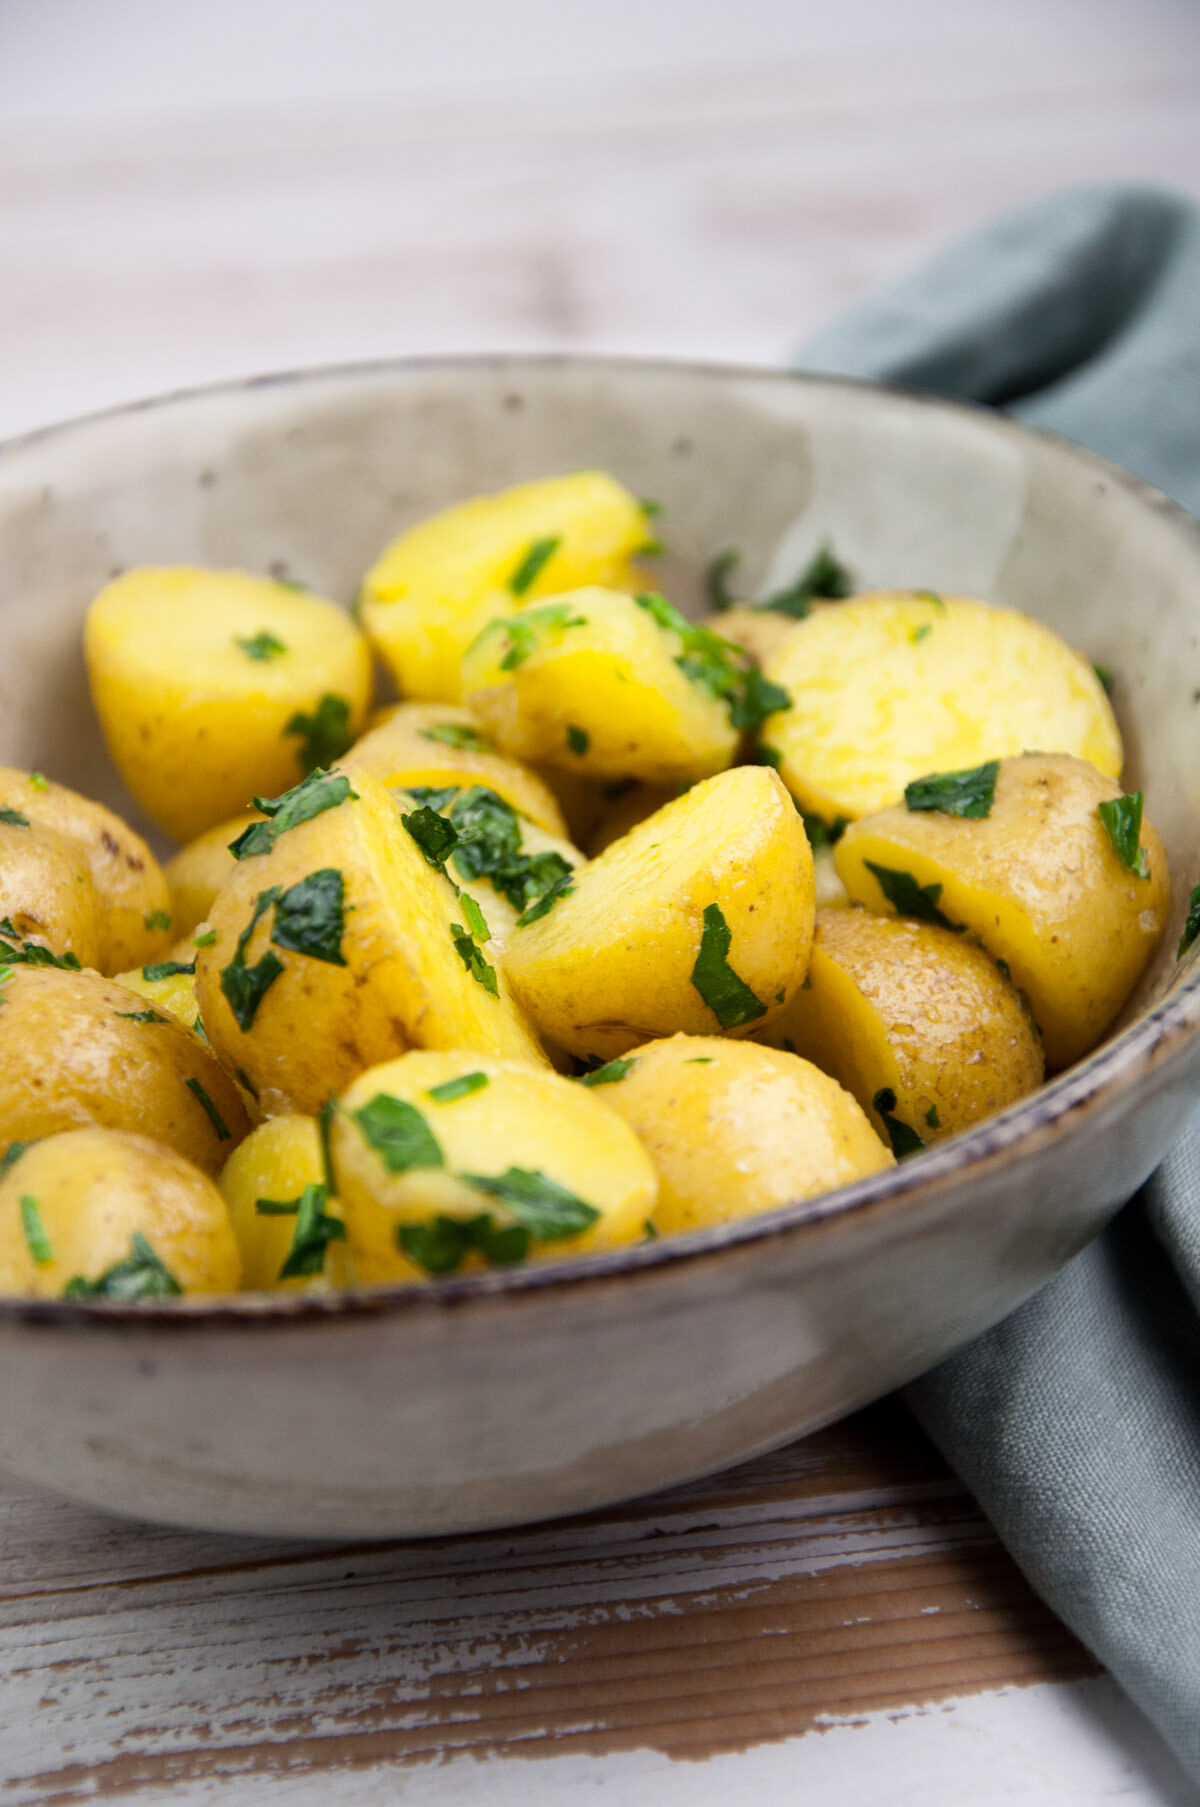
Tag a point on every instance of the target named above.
point(522, 1394)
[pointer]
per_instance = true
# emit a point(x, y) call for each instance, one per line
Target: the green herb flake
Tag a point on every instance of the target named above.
point(157, 919)
point(210, 1110)
point(315, 1230)
point(325, 1117)
point(35, 1233)
point(311, 797)
point(452, 1089)
point(539, 1204)
point(1191, 927)
point(433, 834)
point(766, 755)
point(399, 1134)
point(698, 1060)
point(473, 960)
point(921, 633)
point(205, 938)
point(16, 951)
point(431, 796)
point(533, 560)
point(141, 1016)
point(610, 1073)
point(907, 897)
point(457, 734)
point(716, 579)
point(931, 596)
point(823, 576)
point(649, 1230)
point(11, 1156)
point(310, 918)
point(244, 987)
point(324, 735)
point(968, 793)
point(38, 781)
point(1122, 819)
point(728, 997)
point(477, 925)
point(904, 1140)
point(563, 886)
point(755, 699)
point(140, 1276)
point(262, 647)
point(526, 629)
point(932, 1118)
point(441, 1247)
point(14, 818)
point(244, 1080)
point(166, 969)
point(578, 739)
point(650, 508)
point(1105, 677)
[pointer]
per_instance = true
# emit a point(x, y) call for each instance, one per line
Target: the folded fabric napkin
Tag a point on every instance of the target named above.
point(1076, 1422)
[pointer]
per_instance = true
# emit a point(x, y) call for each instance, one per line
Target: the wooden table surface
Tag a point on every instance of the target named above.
point(193, 193)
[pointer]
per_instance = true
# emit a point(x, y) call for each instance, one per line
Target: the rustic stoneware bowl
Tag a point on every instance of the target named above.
point(522, 1394)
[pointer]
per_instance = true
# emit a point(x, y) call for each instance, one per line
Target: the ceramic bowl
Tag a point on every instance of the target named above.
point(522, 1394)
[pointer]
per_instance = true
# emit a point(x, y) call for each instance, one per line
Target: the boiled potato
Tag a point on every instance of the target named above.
point(46, 892)
point(701, 917)
point(435, 587)
point(289, 1232)
point(433, 744)
point(888, 687)
point(456, 1160)
point(628, 804)
point(734, 1129)
point(76, 1050)
point(135, 907)
point(340, 945)
point(915, 1021)
point(101, 1213)
point(592, 683)
point(169, 985)
point(1037, 880)
point(214, 686)
point(196, 873)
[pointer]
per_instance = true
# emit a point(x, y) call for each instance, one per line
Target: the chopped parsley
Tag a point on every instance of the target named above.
point(922, 632)
point(245, 987)
point(728, 997)
point(452, 1089)
point(311, 916)
point(611, 1072)
point(433, 796)
point(756, 698)
point(142, 1016)
point(441, 1247)
point(399, 1134)
point(932, 1118)
point(30, 953)
point(325, 1116)
point(699, 1060)
point(717, 666)
point(157, 919)
point(1191, 927)
point(907, 897)
point(650, 508)
point(35, 1232)
point(166, 969)
point(38, 781)
point(140, 1276)
point(315, 1230)
point(820, 833)
point(1106, 679)
point(716, 579)
point(904, 1140)
point(324, 735)
point(578, 739)
point(14, 818)
point(540, 1205)
point(477, 923)
point(318, 792)
point(824, 575)
point(649, 1232)
point(11, 1156)
point(562, 887)
point(533, 560)
point(262, 647)
point(205, 938)
point(1122, 819)
point(434, 835)
point(968, 793)
point(457, 734)
point(473, 960)
point(526, 629)
point(210, 1110)
point(939, 602)
point(766, 755)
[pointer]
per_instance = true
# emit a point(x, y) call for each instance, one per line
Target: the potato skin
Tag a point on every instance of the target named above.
point(401, 749)
point(894, 685)
point(277, 1161)
point(94, 1188)
point(522, 1118)
point(734, 1129)
point(129, 881)
point(195, 725)
point(197, 872)
point(611, 963)
point(402, 981)
point(1037, 881)
point(893, 1004)
point(46, 891)
point(72, 1056)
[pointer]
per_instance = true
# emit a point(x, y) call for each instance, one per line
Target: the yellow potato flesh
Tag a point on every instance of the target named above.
point(129, 881)
point(195, 724)
point(434, 588)
point(610, 964)
point(403, 981)
point(46, 891)
point(1039, 884)
point(889, 687)
point(734, 1129)
point(89, 1192)
point(197, 872)
point(597, 692)
point(890, 1004)
point(522, 1118)
point(276, 1162)
point(407, 746)
point(174, 993)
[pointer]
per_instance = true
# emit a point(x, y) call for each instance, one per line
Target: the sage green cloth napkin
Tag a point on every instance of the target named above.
point(1076, 1422)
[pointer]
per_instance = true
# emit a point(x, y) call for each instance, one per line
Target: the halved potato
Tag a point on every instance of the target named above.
point(430, 593)
point(168, 985)
point(887, 687)
point(101, 1213)
point(289, 1231)
point(1037, 880)
point(628, 803)
point(436, 744)
point(456, 1160)
point(592, 683)
point(915, 1021)
point(215, 686)
point(734, 1129)
point(701, 917)
point(46, 892)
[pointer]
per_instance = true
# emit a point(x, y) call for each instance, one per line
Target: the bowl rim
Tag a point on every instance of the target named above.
point(1061, 1106)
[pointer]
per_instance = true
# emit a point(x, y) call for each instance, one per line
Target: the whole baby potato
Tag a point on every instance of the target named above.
point(1037, 880)
point(437, 744)
point(458, 1160)
point(890, 686)
point(289, 1231)
point(102, 1213)
point(915, 1021)
point(134, 904)
point(340, 942)
point(734, 1129)
point(699, 918)
point(434, 588)
point(77, 1050)
point(46, 892)
point(214, 686)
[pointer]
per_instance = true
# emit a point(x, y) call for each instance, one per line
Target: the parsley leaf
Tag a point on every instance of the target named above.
point(140, 1276)
point(38, 781)
point(821, 833)
point(477, 923)
point(310, 917)
point(14, 818)
point(457, 734)
point(263, 646)
point(324, 735)
point(562, 887)
point(314, 1231)
point(578, 739)
point(473, 960)
point(157, 919)
point(441, 1246)
point(533, 559)
point(824, 575)
point(210, 1110)
point(921, 632)
point(318, 792)
point(755, 699)
point(1122, 819)
point(11, 1156)
point(166, 969)
point(1106, 678)
point(205, 938)
point(717, 666)
point(525, 630)
point(434, 835)
point(907, 897)
point(1191, 927)
point(539, 1204)
point(462, 1087)
point(717, 573)
point(30, 953)
point(141, 1016)
point(904, 1140)
point(35, 1232)
point(967, 793)
point(245, 986)
point(609, 1074)
point(728, 997)
point(932, 1118)
point(399, 1134)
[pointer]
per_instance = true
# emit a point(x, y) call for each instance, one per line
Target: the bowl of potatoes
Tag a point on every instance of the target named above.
point(562, 923)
